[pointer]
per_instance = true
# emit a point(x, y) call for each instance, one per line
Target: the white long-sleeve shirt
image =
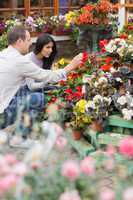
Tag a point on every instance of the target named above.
point(14, 68)
point(31, 83)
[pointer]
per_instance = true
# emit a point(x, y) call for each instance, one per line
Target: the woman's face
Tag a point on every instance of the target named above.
point(47, 50)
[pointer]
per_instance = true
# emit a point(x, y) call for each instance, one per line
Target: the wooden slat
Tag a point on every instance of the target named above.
point(42, 8)
point(56, 7)
point(10, 9)
point(27, 7)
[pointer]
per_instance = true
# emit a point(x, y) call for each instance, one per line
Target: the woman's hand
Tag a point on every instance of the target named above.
point(75, 63)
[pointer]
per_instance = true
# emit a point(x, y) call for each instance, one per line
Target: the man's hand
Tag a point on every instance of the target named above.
point(75, 63)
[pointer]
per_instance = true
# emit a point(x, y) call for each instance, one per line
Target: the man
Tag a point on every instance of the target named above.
point(14, 68)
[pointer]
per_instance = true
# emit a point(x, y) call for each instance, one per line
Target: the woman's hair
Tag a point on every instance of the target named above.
point(43, 40)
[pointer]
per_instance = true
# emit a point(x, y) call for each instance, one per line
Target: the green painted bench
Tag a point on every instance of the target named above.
point(82, 146)
point(117, 124)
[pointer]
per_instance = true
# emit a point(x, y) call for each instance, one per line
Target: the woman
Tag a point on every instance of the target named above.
point(43, 55)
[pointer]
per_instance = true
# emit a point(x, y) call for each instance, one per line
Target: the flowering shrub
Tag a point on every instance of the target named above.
point(109, 170)
point(120, 48)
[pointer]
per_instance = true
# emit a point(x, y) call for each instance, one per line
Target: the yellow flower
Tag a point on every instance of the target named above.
point(61, 61)
point(86, 119)
point(80, 106)
point(69, 17)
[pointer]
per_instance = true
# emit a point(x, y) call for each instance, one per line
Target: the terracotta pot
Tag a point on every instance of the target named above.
point(96, 126)
point(77, 134)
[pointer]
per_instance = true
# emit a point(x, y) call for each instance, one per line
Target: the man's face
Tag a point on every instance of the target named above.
point(25, 44)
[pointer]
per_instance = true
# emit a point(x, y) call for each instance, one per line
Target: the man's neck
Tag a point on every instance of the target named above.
point(16, 48)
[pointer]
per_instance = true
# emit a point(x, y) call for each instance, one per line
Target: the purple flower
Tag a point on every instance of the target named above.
point(2, 26)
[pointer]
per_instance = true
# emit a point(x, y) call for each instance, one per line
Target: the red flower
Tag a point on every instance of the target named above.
point(79, 88)
point(52, 100)
point(106, 67)
point(123, 36)
point(102, 44)
point(69, 97)
point(68, 91)
point(62, 82)
point(130, 27)
point(78, 95)
point(108, 60)
point(84, 58)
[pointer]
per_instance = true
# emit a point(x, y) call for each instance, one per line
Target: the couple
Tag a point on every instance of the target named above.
point(16, 69)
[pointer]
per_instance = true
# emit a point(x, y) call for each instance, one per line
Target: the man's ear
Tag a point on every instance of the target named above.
point(19, 41)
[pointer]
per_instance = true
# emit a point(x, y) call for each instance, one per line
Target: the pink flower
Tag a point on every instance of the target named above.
point(87, 166)
point(109, 164)
point(72, 195)
point(110, 150)
point(107, 194)
point(126, 146)
point(128, 194)
point(70, 169)
point(7, 182)
point(36, 165)
point(10, 159)
point(58, 129)
point(61, 142)
point(20, 169)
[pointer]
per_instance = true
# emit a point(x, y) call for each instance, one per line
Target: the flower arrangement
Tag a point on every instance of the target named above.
point(35, 24)
point(93, 14)
point(12, 22)
point(58, 23)
point(96, 105)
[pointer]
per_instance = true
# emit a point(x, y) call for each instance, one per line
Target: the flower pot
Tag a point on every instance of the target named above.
point(96, 126)
point(77, 134)
point(91, 35)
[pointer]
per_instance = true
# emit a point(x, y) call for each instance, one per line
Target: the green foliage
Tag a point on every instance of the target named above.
point(3, 41)
point(75, 33)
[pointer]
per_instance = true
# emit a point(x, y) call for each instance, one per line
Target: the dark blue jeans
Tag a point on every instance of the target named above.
point(25, 101)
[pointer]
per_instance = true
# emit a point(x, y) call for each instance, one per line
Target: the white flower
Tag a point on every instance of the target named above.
point(130, 48)
point(90, 104)
point(127, 114)
point(103, 80)
point(108, 100)
point(112, 70)
point(118, 79)
point(96, 84)
point(3, 137)
point(131, 104)
point(128, 194)
point(122, 100)
point(97, 98)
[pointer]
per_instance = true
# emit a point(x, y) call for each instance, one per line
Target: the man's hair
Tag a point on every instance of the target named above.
point(17, 32)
